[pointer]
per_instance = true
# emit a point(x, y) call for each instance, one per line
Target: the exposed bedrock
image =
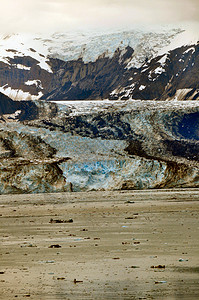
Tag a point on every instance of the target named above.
point(100, 146)
point(172, 75)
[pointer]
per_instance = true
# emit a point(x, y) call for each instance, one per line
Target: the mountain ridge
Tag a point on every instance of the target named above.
point(31, 68)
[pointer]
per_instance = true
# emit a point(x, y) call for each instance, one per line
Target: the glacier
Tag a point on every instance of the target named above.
point(99, 145)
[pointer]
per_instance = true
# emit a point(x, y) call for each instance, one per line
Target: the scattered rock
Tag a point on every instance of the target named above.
point(158, 267)
point(55, 246)
point(182, 259)
point(77, 281)
point(61, 221)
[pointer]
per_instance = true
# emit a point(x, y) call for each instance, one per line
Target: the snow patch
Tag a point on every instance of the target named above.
point(190, 49)
point(22, 67)
point(142, 87)
point(159, 70)
point(17, 113)
point(184, 37)
point(89, 45)
point(114, 92)
point(18, 94)
point(162, 60)
point(37, 83)
point(143, 70)
point(13, 116)
point(22, 45)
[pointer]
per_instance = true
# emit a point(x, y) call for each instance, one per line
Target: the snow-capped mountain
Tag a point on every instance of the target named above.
point(171, 76)
point(85, 65)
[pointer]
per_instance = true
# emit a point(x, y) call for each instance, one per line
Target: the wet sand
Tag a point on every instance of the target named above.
point(100, 245)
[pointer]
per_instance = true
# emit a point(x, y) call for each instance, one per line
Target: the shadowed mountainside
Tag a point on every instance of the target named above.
point(173, 75)
point(169, 76)
point(7, 106)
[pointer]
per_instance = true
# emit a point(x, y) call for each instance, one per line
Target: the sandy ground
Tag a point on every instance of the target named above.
point(113, 246)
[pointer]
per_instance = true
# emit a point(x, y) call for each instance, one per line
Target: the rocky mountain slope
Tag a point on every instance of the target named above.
point(7, 106)
point(173, 75)
point(100, 145)
point(92, 80)
point(138, 64)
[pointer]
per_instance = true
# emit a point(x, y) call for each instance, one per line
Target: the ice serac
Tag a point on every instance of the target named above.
point(99, 145)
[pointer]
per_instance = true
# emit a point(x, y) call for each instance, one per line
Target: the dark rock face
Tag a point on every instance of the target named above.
point(68, 80)
point(93, 80)
point(170, 76)
point(174, 75)
point(29, 70)
point(27, 109)
point(7, 106)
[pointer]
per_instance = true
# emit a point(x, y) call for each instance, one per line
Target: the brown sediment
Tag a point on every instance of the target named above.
point(159, 248)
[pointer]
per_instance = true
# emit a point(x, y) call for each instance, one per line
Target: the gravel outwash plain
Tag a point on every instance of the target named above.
point(100, 245)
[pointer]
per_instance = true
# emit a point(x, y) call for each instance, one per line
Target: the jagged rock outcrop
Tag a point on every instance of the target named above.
point(92, 80)
point(32, 65)
point(7, 106)
point(170, 76)
point(23, 78)
point(148, 68)
point(100, 146)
